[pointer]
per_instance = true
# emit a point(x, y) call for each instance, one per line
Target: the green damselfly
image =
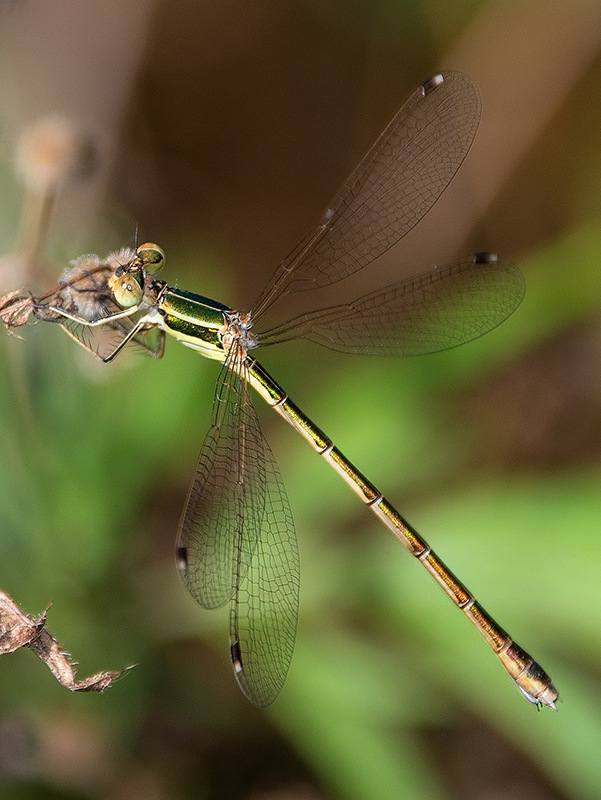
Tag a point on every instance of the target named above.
point(236, 540)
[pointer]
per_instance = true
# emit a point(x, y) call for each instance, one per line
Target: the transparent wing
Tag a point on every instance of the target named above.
point(103, 340)
point(435, 311)
point(237, 541)
point(227, 498)
point(398, 180)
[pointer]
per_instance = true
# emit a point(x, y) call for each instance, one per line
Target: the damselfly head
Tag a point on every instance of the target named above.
point(127, 282)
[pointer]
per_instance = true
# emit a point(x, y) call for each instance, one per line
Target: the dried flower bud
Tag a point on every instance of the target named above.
point(51, 150)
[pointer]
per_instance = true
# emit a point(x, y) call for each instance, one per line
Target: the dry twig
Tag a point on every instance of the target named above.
point(19, 630)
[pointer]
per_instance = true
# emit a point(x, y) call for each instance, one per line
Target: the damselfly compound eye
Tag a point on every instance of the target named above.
point(151, 256)
point(126, 290)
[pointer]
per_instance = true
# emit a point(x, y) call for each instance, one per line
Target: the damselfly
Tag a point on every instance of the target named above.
point(236, 540)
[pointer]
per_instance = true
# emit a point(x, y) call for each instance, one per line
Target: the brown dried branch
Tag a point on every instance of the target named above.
point(16, 309)
point(19, 630)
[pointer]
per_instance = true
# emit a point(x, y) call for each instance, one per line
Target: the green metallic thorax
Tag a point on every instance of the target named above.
point(194, 320)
